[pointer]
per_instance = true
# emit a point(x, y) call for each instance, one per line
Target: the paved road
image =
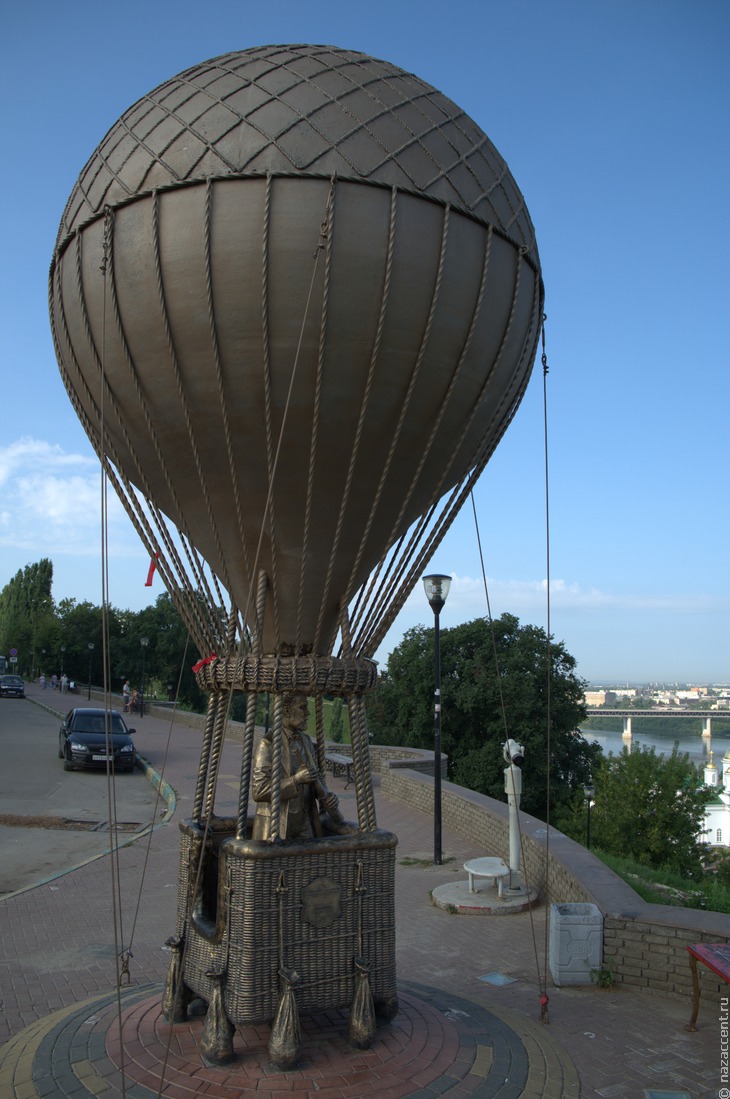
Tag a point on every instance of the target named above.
point(39, 796)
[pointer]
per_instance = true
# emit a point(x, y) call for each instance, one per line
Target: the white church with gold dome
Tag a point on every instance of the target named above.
point(716, 831)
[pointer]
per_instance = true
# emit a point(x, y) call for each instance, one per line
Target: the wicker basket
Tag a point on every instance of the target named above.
point(311, 906)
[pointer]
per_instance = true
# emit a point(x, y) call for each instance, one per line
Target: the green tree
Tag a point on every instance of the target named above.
point(336, 730)
point(27, 619)
point(80, 631)
point(495, 685)
point(648, 807)
point(168, 655)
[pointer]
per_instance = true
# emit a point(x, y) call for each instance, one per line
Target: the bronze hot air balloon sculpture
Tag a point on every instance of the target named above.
point(295, 299)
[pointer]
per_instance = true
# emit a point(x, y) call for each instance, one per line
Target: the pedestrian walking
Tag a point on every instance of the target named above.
point(126, 695)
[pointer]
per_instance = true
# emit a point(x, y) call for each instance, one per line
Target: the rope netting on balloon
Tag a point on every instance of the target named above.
point(229, 636)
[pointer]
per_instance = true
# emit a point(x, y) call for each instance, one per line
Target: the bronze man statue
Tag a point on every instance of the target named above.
point(303, 793)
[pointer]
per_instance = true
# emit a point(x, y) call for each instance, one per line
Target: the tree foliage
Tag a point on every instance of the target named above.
point(336, 730)
point(648, 807)
point(27, 621)
point(102, 644)
point(494, 685)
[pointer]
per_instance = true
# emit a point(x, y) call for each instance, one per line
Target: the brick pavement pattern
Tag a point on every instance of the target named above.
point(457, 1034)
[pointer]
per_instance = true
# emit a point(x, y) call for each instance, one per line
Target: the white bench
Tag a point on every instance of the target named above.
point(490, 867)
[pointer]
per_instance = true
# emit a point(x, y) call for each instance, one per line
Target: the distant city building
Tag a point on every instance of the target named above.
point(599, 698)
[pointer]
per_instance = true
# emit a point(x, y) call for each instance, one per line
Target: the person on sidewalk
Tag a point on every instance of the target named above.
point(126, 695)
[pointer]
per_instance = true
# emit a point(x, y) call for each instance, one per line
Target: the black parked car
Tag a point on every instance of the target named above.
point(12, 685)
point(93, 738)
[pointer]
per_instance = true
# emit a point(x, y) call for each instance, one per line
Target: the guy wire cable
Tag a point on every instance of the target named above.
point(541, 979)
point(111, 792)
point(545, 372)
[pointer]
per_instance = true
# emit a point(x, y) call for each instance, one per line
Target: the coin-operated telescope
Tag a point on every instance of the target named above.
point(514, 756)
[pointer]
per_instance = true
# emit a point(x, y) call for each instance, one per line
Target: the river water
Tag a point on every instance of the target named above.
point(697, 746)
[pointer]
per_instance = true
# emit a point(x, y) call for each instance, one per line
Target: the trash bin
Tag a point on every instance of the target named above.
point(576, 943)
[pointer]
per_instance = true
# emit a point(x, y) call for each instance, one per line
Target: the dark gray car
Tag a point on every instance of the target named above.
point(96, 738)
point(12, 685)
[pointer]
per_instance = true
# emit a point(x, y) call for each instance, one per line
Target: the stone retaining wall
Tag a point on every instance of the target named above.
point(643, 944)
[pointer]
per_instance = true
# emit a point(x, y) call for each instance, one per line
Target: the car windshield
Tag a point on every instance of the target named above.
point(12, 680)
point(95, 724)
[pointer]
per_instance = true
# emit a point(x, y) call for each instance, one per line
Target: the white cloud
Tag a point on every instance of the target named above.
point(527, 600)
point(530, 596)
point(52, 501)
point(32, 456)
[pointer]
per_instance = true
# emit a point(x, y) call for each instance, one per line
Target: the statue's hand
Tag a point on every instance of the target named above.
point(303, 776)
point(330, 802)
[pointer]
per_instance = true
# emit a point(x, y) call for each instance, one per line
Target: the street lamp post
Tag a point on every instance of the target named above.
point(90, 647)
point(589, 794)
point(437, 589)
point(63, 650)
point(144, 642)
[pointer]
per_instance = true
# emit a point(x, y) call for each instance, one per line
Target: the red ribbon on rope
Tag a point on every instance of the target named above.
point(202, 663)
point(151, 572)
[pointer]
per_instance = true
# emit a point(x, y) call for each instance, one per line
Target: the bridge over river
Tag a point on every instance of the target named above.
point(705, 715)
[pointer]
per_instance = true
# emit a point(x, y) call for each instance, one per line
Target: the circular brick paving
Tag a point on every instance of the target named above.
point(421, 1046)
point(438, 1044)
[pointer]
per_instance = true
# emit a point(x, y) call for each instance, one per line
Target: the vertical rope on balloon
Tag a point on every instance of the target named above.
point(381, 616)
point(249, 733)
point(360, 761)
point(394, 571)
point(319, 733)
point(277, 733)
point(219, 378)
point(219, 729)
point(224, 706)
point(364, 403)
point(365, 816)
point(325, 243)
point(250, 726)
point(368, 794)
point(92, 428)
point(184, 405)
point(410, 389)
point(268, 419)
point(204, 757)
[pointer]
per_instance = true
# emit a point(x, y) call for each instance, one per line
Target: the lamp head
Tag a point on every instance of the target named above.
point(437, 589)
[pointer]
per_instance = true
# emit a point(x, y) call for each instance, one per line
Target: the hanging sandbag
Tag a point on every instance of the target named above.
point(361, 1028)
point(285, 1041)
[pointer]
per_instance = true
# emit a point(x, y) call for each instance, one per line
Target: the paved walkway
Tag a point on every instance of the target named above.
point(469, 990)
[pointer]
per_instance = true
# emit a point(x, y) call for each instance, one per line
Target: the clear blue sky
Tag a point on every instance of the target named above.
point(613, 117)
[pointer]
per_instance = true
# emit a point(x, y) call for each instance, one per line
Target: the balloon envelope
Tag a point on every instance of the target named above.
point(295, 297)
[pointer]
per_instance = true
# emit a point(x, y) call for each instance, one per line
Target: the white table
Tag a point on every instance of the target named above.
point(491, 867)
